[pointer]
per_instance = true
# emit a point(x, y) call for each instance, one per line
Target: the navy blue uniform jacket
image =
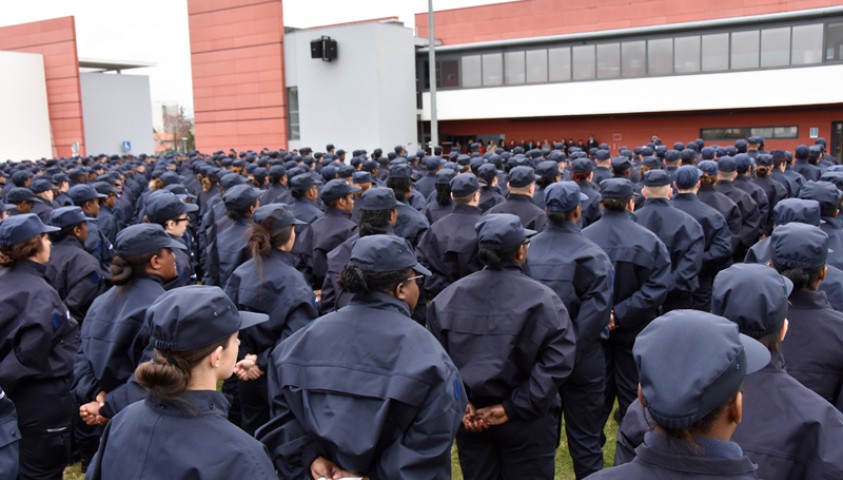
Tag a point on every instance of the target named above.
point(510, 336)
point(161, 439)
point(531, 216)
point(335, 391)
point(75, 274)
point(323, 235)
point(449, 248)
point(717, 249)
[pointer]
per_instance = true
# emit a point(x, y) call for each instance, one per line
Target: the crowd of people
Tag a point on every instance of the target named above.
point(307, 314)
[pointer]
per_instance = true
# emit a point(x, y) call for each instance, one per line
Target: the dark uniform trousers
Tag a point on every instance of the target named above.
point(641, 283)
point(581, 274)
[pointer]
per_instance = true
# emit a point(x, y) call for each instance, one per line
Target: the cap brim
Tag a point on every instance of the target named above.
point(48, 229)
point(250, 319)
point(190, 207)
point(8, 206)
point(583, 197)
point(418, 267)
point(757, 355)
point(354, 188)
point(100, 195)
point(529, 233)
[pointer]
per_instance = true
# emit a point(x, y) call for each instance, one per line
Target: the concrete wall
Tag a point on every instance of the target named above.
point(363, 99)
point(56, 40)
point(237, 58)
point(117, 108)
point(25, 123)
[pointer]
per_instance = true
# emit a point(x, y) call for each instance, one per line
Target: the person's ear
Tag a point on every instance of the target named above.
point(783, 331)
point(400, 291)
point(155, 262)
point(641, 397)
point(736, 409)
point(215, 357)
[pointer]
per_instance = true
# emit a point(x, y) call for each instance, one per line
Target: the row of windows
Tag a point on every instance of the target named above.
point(719, 51)
point(293, 125)
point(735, 133)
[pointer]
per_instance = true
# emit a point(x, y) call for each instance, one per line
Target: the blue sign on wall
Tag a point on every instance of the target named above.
point(126, 146)
point(815, 132)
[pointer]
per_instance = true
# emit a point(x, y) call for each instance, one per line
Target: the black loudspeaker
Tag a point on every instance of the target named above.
point(329, 51)
point(316, 48)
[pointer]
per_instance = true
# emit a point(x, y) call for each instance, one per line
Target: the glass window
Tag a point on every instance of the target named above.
point(786, 132)
point(715, 52)
point(608, 60)
point(723, 133)
point(833, 42)
point(293, 124)
point(514, 68)
point(807, 44)
point(471, 71)
point(744, 50)
point(775, 47)
point(584, 62)
point(492, 69)
point(536, 66)
point(449, 73)
point(634, 59)
point(660, 56)
point(559, 64)
point(686, 54)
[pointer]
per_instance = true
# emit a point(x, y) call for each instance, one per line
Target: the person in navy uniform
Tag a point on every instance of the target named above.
point(411, 223)
point(268, 283)
point(753, 222)
point(106, 221)
point(37, 348)
point(378, 214)
point(522, 184)
point(582, 172)
point(760, 174)
point(785, 446)
point(425, 185)
point(692, 365)
point(717, 246)
point(113, 333)
point(814, 346)
point(449, 248)
point(72, 271)
point(513, 341)
point(43, 190)
point(85, 197)
point(829, 198)
point(22, 198)
point(802, 166)
point(681, 233)
point(641, 282)
point(441, 202)
point(180, 430)
point(305, 195)
point(228, 250)
point(173, 214)
point(327, 231)
point(364, 181)
point(723, 204)
point(9, 439)
point(490, 194)
point(341, 403)
point(581, 274)
point(277, 192)
point(602, 169)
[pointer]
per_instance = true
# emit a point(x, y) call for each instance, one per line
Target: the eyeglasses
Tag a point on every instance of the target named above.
point(416, 278)
point(179, 220)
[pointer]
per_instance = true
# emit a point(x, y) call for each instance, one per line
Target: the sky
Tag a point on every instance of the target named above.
point(156, 31)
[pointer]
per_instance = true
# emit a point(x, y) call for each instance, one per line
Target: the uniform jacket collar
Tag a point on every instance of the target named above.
point(191, 403)
point(381, 301)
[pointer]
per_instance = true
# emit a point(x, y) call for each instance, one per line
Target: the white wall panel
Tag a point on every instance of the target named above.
point(25, 119)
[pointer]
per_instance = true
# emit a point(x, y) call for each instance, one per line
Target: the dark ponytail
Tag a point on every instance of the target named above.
point(354, 280)
point(123, 269)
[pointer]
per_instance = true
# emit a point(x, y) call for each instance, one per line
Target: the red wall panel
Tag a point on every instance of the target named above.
point(535, 18)
point(237, 55)
point(56, 40)
point(635, 130)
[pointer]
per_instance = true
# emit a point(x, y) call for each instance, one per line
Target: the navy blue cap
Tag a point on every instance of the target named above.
point(797, 210)
point(487, 172)
point(378, 198)
point(501, 231)
point(754, 140)
point(195, 316)
point(40, 185)
point(743, 162)
point(621, 162)
point(602, 155)
point(20, 228)
point(707, 153)
point(231, 179)
point(799, 245)
point(547, 168)
point(329, 172)
point(361, 177)
point(727, 164)
point(336, 189)
point(144, 238)
point(83, 193)
point(692, 362)
point(520, 177)
point(835, 177)
point(801, 152)
point(463, 159)
point(106, 188)
point(67, 217)
point(824, 192)
point(20, 194)
point(752, 295)
point(167, 206)
point(302, 181)
point(346, 171)
point(384, 253)
point(616, 188)
point(401, 170)
point(582, 165)
point(653, 163)
point(764, 159)
point(275, 216)
point(240, 197)
point(657, 178)
point(464, 185)
point(432, 163)
point(563, 197)
point(708, 167)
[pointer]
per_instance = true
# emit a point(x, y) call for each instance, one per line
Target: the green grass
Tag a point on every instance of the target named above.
point(564, 465)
